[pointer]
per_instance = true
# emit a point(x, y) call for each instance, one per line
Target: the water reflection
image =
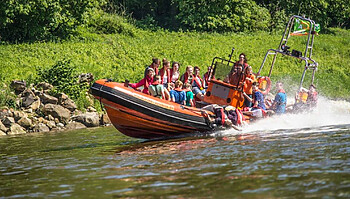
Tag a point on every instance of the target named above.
point(298, 163)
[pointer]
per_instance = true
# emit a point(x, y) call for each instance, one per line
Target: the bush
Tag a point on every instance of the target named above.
point(63, 76)
point(102, 22)
point(223, 15)
point(7, 97)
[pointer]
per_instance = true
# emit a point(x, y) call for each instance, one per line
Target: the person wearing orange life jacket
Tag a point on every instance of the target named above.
point(165, 72)
point(305, 99)
point(248, 84)
point(145, 82)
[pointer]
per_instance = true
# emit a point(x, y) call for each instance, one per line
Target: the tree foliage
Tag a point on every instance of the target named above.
point(23, 20)
point(223, 15)
point(233, 15)
point(33, 20)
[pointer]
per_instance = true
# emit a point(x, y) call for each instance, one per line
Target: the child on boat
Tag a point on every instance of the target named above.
point(280, 101)
point(156, 89)
point(206, 77)
point(189, 95)
point(259, 108)
point(178, 95)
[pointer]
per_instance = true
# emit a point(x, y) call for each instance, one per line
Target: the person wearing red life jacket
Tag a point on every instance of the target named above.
point(242, 61)
point(206, 77)
point(155, 64)
point(156, 89)
point(174, 72)
point(165, 73)
point(197, 84)
point(145, 82)
point(187, 77)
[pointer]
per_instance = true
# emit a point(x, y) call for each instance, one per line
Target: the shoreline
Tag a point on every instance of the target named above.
point(37, 111)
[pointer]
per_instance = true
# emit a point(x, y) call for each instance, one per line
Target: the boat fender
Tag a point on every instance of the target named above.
point(264, 84)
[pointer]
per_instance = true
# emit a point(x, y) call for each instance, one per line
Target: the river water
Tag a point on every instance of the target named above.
point(292, 156)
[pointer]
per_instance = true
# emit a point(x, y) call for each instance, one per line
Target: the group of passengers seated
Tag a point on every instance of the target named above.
point(166, 83)
point(255, 104)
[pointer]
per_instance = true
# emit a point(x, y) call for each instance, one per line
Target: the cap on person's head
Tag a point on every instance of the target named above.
point(150, 69)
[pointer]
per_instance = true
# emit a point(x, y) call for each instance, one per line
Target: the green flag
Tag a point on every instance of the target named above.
point(302, 27)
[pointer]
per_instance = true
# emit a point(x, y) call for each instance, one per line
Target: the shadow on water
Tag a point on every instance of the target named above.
point(197, 141)
point(92, 145)
point(174, 145)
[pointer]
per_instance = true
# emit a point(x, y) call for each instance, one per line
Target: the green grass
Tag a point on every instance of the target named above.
point(120, 56)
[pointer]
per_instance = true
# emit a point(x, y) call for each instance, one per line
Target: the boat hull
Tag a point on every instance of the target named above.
point(138, 115)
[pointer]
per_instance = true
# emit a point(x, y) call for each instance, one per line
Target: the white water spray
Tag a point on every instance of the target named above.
point(328, 112)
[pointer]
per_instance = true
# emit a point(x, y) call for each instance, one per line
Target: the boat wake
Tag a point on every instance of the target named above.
point(327, 113)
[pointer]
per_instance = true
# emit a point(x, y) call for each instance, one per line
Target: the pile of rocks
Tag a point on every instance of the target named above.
point(41, 112)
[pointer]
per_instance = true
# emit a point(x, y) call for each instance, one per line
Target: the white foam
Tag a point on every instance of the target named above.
point(328, 112)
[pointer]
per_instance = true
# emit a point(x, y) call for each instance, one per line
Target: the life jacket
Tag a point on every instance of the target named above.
point(186, 78)
point(199, 82)
point(244, 65)
point(168, 73)
point(264, 84)
point(303, 97)
point(247, 88)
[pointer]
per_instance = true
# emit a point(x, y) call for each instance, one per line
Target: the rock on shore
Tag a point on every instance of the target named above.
point(40, 112)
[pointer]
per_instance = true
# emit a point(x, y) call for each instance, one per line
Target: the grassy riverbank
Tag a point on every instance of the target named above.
point(120, 56)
